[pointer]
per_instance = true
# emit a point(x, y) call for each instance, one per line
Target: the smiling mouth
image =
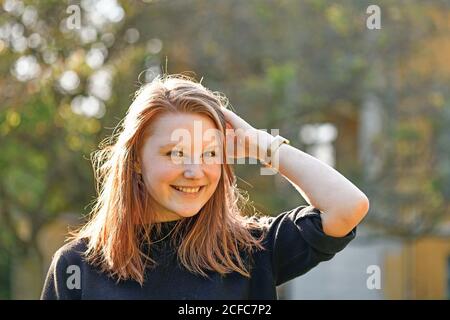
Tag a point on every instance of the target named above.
point(188, 190)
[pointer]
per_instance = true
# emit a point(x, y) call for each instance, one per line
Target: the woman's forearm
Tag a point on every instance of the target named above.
point(342, 203)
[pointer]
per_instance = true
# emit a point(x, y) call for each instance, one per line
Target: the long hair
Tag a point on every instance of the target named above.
point(213, 239)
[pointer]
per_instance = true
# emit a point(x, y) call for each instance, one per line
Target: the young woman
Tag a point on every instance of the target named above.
point(168, 222)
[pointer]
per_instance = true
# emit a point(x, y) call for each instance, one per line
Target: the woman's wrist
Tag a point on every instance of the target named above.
point(264, 140)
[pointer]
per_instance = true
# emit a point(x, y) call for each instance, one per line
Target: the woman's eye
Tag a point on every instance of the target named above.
point(175, 153)
point(210, 153)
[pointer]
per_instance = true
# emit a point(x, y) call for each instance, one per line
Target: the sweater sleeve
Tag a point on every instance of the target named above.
point(63, 280)
point(298, 243)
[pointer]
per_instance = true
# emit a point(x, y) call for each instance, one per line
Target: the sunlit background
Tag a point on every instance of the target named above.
point(373, 103)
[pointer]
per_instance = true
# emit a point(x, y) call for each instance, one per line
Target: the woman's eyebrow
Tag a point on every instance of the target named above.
point(211, 146)
point(167, 145)
point(175, 144)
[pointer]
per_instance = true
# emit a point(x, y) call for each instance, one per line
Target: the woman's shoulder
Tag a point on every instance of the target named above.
point(72, 251)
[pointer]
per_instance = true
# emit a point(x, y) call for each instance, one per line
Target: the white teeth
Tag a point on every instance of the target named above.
point(188, 190)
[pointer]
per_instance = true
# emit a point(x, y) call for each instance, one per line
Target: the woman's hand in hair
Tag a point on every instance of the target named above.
point(248, 141)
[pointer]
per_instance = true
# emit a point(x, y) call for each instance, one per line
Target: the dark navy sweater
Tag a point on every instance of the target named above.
point(295, 243)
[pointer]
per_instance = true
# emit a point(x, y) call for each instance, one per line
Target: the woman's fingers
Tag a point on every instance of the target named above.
point(229, 117)
point(235, 121)
point(238, 140)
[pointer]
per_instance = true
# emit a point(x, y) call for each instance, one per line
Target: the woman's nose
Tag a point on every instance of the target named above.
point(193, 171)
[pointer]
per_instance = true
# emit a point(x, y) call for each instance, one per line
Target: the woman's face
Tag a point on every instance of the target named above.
point(178, 157)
